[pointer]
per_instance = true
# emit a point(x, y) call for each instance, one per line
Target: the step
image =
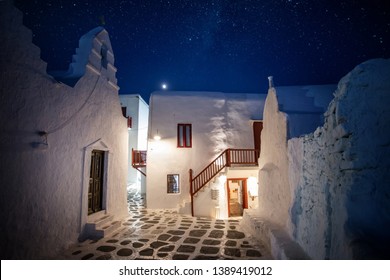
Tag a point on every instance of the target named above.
point(101, 227)
point(274, 237)
point(103, 220)
point(185, 208)
point(98, 222)
point(108, 229)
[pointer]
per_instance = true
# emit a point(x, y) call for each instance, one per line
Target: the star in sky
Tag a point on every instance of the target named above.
point(220, 45)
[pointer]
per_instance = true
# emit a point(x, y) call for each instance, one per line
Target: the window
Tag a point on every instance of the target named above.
point(184, 135)
point(173, 185)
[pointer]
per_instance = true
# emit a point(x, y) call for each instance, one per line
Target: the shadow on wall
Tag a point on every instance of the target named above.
point(368, 224)
point(22, 140)
point(362, 111)
point(296, 211)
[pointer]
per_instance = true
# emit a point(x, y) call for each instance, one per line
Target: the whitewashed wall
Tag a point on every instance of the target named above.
point(138, 110)
point(143, 125)
point(329, 190)
point(207, 206)
point(274, 194)
point(44, 178)
point(340, 173)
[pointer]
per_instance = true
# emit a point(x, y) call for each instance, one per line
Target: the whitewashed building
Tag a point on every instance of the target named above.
point(324, 185)
point(136, 110)
point(63, 144)
point(288, 112)
point(202, 152)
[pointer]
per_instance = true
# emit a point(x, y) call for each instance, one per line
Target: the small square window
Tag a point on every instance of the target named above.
point(173, 183)
point(184, 135)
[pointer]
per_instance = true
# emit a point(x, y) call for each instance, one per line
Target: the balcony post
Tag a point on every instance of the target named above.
point(191, 193)
point(228, 162)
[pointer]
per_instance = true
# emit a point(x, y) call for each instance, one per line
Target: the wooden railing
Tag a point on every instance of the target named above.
point(228, 158)
point(243, 156)
point(138, 160)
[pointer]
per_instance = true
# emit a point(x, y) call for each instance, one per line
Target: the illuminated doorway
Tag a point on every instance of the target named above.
point(237, 196)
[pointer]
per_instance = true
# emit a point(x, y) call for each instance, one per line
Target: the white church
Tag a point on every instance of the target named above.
point(63, 138)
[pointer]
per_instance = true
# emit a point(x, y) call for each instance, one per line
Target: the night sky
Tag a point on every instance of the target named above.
point(229, 46)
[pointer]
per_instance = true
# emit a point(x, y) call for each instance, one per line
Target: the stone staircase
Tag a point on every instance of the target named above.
point(185, 208)
point(102, 226)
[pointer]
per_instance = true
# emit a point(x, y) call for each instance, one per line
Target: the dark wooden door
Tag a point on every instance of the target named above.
point(95, 191)
point(244, 194)
point(257, 128)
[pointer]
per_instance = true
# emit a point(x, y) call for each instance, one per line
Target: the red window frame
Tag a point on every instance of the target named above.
point(184, 135)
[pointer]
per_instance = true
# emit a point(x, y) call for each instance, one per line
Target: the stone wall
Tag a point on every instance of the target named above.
point(340, 174)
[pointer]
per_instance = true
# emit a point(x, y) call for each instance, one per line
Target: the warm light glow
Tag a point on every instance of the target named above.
point(157, 136)
point(222, 179)
point(252, 186)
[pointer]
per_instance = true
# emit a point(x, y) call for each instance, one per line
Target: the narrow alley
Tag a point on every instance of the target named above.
point(166, 235)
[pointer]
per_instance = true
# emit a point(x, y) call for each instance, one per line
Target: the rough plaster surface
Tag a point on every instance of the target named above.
point(274, 196)
point(42, 176)
point(340, 173)
point(329, 189)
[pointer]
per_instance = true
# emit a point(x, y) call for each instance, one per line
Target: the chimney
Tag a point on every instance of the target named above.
point(270, 81)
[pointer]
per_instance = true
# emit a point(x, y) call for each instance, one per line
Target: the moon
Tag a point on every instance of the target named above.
point(164, 86)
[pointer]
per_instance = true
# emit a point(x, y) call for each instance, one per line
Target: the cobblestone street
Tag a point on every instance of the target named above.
point(165, 234)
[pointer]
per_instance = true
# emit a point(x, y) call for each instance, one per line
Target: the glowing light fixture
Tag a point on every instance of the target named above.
point(157, 137)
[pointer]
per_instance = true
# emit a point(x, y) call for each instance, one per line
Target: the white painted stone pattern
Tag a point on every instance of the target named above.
point(42, 176)
point(340, 174)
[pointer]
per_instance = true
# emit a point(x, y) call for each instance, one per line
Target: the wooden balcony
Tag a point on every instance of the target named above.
point(138, 160)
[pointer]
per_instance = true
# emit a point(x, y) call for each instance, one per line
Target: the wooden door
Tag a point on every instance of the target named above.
point(95, 191)
point(257, 128)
